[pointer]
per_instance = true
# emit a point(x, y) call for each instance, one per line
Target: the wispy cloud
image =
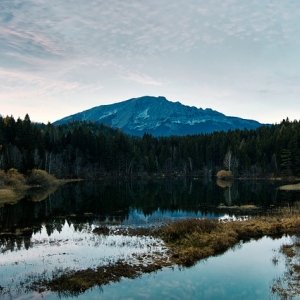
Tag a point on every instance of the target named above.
point(131, 28)
point(58, 48)
point(142, 78)
point(45, 85)
point(18, 38)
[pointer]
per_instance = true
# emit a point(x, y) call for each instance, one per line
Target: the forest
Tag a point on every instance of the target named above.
point(87, 150)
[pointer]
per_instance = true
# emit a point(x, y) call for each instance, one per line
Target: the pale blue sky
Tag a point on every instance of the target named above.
point(240, 57)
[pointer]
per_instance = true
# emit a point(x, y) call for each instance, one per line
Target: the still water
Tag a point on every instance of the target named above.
point(57, 236)
point(243, 273)
point(142, 203)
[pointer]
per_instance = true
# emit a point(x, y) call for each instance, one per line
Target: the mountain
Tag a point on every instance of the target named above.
point(159, 117)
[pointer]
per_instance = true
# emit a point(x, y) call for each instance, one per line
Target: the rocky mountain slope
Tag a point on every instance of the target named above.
point(160, 117)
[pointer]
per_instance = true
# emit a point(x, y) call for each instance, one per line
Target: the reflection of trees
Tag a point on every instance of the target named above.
point(231, 194)
point(40, 194)
point(230, 190)
point(50, 227)
point(12, 243)
point(224, 183)
point(109, 200)
point(113, 201)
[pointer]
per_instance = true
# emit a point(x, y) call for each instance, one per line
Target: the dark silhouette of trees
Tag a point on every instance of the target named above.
point(90, 150)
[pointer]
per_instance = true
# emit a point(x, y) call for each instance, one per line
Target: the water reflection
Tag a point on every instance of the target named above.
point(139, 202)
point(56, 232)
point(246, 272)
point(55, 251)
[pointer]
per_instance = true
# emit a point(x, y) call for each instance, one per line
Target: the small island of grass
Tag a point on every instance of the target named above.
point(290, 187)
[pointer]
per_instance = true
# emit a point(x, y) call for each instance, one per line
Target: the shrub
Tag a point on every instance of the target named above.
point(223, 174)
point(14, 178)
point(41, 178)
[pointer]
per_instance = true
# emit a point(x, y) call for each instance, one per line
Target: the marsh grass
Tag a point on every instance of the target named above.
point(297, 269)
point(288, 286)
point(9, 195)
point(13, 179)
point(102, 230)
point(72, 283)
point(191, 240)
point(288, 250)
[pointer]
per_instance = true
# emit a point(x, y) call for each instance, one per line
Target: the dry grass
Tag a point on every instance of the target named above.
point(12, 178)
point(73, 283)
point(9, 196)
point(102, 230)
point(14, 186)
point(296, 269)
point(191, 240)
point(245, 208)
point(290, 187)
point(41, 178)
point(248, 206)
point(288, 250)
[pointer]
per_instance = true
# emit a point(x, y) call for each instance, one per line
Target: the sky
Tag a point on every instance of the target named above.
point(241, 58)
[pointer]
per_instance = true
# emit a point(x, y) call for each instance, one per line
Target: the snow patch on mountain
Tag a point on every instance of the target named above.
point(160, 117)
point(144, 114)
point(107, 114)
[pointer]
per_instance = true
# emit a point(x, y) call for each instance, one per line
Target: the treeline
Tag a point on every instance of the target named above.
point(90, 151)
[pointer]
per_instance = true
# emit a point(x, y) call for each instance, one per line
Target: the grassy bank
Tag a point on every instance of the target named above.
point(290, 187)
point(188, 241)
point(192, 240)
point(74, 283)
point(37, 185)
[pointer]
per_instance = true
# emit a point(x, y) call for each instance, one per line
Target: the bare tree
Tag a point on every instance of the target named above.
point(230, 162)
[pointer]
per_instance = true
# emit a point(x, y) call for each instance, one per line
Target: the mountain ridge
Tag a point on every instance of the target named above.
point(160, 117)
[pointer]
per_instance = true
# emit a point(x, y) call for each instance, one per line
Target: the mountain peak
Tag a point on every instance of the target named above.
point(151, 98)
point(160, 117)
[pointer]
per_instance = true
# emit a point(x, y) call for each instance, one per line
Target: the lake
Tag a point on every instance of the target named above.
point(39, 239)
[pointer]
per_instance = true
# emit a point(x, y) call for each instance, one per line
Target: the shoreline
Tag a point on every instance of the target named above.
point(10, 194)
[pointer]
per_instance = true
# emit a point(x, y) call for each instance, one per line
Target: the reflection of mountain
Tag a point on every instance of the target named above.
point(137, 217)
